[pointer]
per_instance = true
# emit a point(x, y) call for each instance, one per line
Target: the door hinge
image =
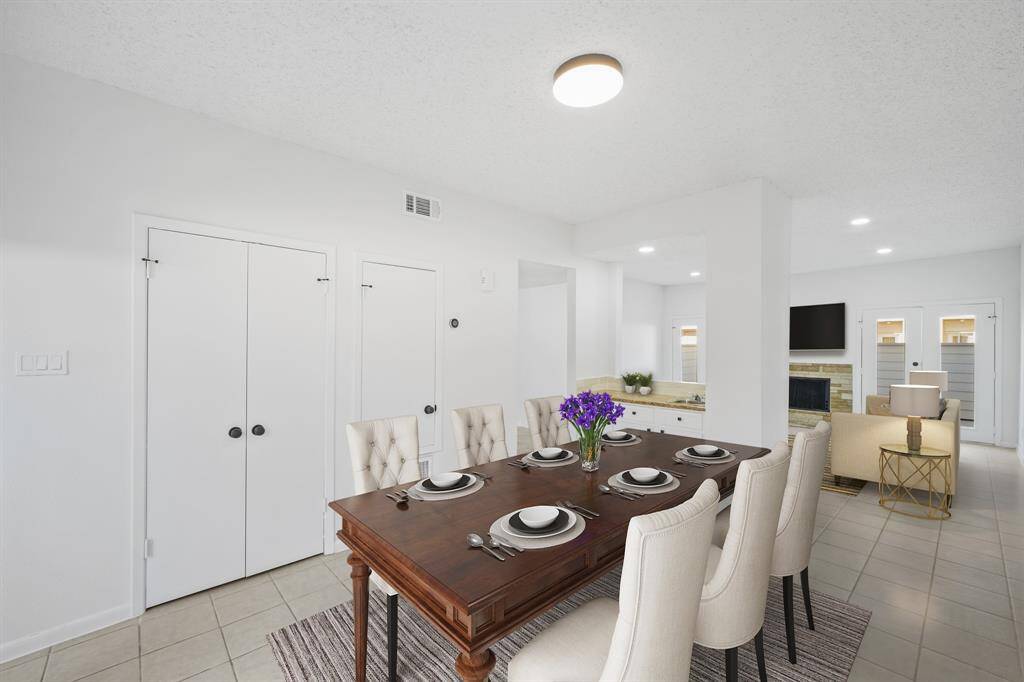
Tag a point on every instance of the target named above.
point(367, 286)
point(148, 262)
point(147, 550)
point(323, 279)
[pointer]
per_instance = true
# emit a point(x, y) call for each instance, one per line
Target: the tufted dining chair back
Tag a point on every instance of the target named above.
point(800, 501)
point(384, 452)
point(659, 592)
point(547, 428)
point(479, 435)
point(736, 586)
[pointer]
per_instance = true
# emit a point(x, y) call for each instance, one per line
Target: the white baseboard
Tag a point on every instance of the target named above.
point(62, 633)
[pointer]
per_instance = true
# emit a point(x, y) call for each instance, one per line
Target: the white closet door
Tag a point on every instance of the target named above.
point(890, 348)
point(399, 342)
point(286, 383)
point(195, 468)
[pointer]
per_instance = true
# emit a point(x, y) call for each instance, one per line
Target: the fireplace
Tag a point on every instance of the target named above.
point(811, 394)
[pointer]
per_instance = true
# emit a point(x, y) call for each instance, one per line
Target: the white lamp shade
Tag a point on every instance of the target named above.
point(908, 400)
point(930, 378)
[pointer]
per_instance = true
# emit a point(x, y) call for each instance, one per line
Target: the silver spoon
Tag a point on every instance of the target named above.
point(607, 490)
point(477, 542)
point(498, 547)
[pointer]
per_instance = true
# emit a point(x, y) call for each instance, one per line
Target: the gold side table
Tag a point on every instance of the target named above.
point(910, 467)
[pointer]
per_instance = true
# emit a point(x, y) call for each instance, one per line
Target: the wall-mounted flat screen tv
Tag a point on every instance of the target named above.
point(817, 327)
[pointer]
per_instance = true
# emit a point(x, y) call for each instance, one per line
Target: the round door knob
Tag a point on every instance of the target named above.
point(429, 409)
point(235, 432)
point(258, 430)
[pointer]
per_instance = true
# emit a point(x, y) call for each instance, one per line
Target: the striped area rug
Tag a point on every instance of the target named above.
point(320, 647)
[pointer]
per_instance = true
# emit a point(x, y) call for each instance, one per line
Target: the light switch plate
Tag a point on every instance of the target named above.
point(41, 364)
point(486, 280)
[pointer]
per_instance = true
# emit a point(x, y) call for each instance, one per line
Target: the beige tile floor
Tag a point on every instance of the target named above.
point(947, 599)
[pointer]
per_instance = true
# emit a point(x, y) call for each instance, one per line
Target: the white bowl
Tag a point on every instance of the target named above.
point(538, 517)
point(616, 435)
point(549, 453)
point(705, 449)
point(445, 480)
point(644, 474)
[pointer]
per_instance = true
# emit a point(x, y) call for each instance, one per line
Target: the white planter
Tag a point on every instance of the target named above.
point(630, 389)
point(645, 390)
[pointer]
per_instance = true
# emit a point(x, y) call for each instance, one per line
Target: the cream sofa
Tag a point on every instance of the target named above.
point(856, 437)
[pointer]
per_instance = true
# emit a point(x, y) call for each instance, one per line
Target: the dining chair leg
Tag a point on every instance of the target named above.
point(762, 670)
point(805, 583)
point(787, 599)
point(392, 637)
point(732, 665)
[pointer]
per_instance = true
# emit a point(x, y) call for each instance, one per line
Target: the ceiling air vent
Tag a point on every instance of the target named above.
point(421, 206)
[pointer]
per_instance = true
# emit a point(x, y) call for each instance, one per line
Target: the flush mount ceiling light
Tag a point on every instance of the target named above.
point(860, 222)
point(646, 249)
point(588, 80)
point(694, 274)
point(884, 251)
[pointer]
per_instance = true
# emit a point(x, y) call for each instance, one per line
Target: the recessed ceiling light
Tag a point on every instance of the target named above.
point(694, 274)
point(884, 251)
point(859, 222)
point(646, 249)
point(588, 80)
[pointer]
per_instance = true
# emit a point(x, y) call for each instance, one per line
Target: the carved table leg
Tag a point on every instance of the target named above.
point(475, 667)
point(360, 607)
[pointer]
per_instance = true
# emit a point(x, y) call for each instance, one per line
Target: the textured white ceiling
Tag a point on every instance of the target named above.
point(909, 112)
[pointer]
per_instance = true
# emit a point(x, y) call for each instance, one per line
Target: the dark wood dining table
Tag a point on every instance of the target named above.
point(420, 548)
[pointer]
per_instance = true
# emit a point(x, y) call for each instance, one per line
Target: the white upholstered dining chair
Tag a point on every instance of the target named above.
point(647, 635)
point(384, 453)
point(736, 585)
point(547, 428)
point(792, 552)
point(479, 435)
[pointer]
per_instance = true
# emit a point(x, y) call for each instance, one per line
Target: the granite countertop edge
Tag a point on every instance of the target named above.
point(654, 400)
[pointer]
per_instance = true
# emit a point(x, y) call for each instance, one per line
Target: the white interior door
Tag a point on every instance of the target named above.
point(890, 348)
point(398, 373)
point(195, 517)
point(960, 339)
point(286, 392)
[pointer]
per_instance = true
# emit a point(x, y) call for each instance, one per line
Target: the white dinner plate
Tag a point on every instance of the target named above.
point(506, 528)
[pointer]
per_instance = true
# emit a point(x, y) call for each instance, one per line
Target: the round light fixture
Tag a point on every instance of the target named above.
point(646, 249)
point(884, 251)
point(694, 274)
point(588, 80)
point(860, 222)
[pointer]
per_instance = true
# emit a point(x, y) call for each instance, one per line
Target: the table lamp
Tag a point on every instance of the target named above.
point(920, 377)
point(913, 402)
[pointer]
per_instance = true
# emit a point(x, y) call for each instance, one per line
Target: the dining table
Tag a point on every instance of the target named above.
point(420, 549)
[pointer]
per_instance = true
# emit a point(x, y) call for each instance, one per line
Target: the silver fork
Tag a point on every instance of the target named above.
point(572, 505)
point(565, 505)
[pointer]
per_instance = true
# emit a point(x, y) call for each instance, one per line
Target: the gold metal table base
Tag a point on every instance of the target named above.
point(934, 500)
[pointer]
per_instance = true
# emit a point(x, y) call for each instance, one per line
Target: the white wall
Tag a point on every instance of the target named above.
point(967, 277)
point(80, 158)
point(542, 344)
point(1020, 395)
point(642, 329)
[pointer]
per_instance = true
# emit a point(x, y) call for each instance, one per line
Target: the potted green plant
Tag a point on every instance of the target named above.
point(630, 381)
point(644, 381)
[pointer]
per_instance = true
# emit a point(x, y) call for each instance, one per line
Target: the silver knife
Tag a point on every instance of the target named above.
point(629, 492)
point(505, 541)
point(672, 473)
point(579, 511)
point(572, 505)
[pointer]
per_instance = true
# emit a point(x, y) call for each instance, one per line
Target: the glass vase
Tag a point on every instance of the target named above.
point(590, 455)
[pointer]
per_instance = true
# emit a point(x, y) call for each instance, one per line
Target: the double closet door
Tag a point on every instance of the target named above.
point(237, 340)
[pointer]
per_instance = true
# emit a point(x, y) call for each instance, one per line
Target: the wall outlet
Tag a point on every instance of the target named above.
point(41, 364)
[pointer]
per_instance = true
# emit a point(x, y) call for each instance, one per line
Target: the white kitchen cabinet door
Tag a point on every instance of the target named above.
point(195, 515)
point(398, 372)
point(286, 386)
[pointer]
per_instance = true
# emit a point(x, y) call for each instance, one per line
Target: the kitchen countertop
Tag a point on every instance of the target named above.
point(654, 400)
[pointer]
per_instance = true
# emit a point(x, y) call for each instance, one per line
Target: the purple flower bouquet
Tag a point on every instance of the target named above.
point(589, 413)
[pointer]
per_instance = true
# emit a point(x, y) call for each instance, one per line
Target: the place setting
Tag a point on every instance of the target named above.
point(441, 486)
point(703, 455)
point(549, 457)
point(541, 526)
point(641, 481)
point(619, 438)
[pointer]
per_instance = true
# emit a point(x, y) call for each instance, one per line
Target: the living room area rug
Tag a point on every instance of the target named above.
point(321, 647)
